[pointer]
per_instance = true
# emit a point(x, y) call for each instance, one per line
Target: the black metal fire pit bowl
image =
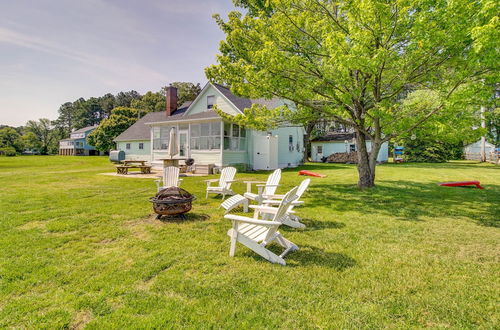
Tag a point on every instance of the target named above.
point(172, 202)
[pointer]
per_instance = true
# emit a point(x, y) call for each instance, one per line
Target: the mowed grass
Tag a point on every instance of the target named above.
point(80, 249)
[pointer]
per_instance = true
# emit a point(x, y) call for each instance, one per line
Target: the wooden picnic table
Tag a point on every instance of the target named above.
point(128, 164)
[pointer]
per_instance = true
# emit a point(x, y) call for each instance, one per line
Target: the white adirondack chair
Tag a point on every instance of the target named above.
point(170, 178)
point(224, 183)
point(256, 233)
point(265, 189)
point(267, 208)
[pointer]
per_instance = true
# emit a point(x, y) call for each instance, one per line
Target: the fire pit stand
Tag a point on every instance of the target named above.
point(172, 202)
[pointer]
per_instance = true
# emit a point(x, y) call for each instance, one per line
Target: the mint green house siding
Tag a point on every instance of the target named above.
point(135, 152)
point(290, 146)
point(200, 103)
point(202, 135)
point(235, 157)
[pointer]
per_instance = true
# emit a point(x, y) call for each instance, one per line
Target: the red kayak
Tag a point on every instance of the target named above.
point(462, 184)
point(309, 173)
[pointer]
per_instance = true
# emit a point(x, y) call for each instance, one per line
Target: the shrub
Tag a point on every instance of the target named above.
point(8, 151)
point(432, 151)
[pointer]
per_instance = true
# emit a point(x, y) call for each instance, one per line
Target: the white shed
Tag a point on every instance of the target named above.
point(324, 146)
point(473, 151)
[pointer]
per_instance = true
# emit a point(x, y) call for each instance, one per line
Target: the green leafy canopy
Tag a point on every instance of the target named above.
point(357, 61)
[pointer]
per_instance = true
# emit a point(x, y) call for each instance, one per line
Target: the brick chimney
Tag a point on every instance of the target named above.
point(171, 96)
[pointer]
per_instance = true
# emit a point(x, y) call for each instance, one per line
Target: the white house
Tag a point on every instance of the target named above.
point(473, 151)
point(324, 146)
point(205, 137)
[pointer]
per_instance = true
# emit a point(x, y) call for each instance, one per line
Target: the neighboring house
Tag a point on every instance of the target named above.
point(324, 146)
point(205, 137)
point(77, 144)
point(473, 151)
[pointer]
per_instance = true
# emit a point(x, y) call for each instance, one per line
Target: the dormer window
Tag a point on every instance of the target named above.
point(210, 101)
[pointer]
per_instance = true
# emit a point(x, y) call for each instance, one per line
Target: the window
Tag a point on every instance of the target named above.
point(210, 101)
point(127, 146)
point(352, 148)
point(205, 136)
point(141, 146)
point(234, 137)
point(290, 143)
point(319, 149)
point(161, 136)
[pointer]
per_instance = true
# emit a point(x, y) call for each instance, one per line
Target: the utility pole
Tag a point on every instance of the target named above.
point(483, 137)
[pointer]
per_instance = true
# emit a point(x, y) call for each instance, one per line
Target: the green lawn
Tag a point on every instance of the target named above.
point(79, 249)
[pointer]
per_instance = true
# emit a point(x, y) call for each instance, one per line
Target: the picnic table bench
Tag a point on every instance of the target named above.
point(128, 164)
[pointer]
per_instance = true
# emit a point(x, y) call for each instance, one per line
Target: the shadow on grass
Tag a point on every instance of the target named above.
point(449, 165)
point(188, 217)
point(309, 255)
point(312, 225)
point(412, 201)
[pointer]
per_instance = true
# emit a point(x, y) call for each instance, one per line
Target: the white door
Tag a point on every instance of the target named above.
point(183, 144)
point(265, 152)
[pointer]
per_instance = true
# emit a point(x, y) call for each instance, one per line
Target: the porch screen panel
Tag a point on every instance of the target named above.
point(161, 135)
point(205, 136)
point(234, 137)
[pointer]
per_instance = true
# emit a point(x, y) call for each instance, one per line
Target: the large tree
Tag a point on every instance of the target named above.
point(10, 138)
point(40, 134)
point(186, 91)
point(120, 119)
point(357, 61)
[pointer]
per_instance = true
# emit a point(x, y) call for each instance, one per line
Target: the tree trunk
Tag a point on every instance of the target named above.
point(307, 137)
point(366, 176)
point(306, 148)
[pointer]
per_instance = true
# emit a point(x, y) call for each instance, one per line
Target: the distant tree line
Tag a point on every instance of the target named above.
point(113, 114)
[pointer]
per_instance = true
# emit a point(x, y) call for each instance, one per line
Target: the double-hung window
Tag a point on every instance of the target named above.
point(234, 137)
point(210, 101)
point(205, 136)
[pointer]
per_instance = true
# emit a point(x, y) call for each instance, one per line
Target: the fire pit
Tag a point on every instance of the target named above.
point(172, 201)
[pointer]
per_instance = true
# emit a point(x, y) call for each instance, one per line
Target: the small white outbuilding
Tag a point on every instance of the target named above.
point(324, 146)
point(473, 151)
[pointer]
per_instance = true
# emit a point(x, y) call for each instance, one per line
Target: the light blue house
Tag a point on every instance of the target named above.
point(77, 144)
point(205, 137)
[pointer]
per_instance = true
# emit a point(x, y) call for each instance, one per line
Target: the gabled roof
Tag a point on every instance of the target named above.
point(242, 103)
point(334, 137)
point(140, 131)
point(85, 129)
point(210, 114)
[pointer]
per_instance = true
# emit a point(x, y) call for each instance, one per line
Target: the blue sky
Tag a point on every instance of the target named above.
point(54, 51)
